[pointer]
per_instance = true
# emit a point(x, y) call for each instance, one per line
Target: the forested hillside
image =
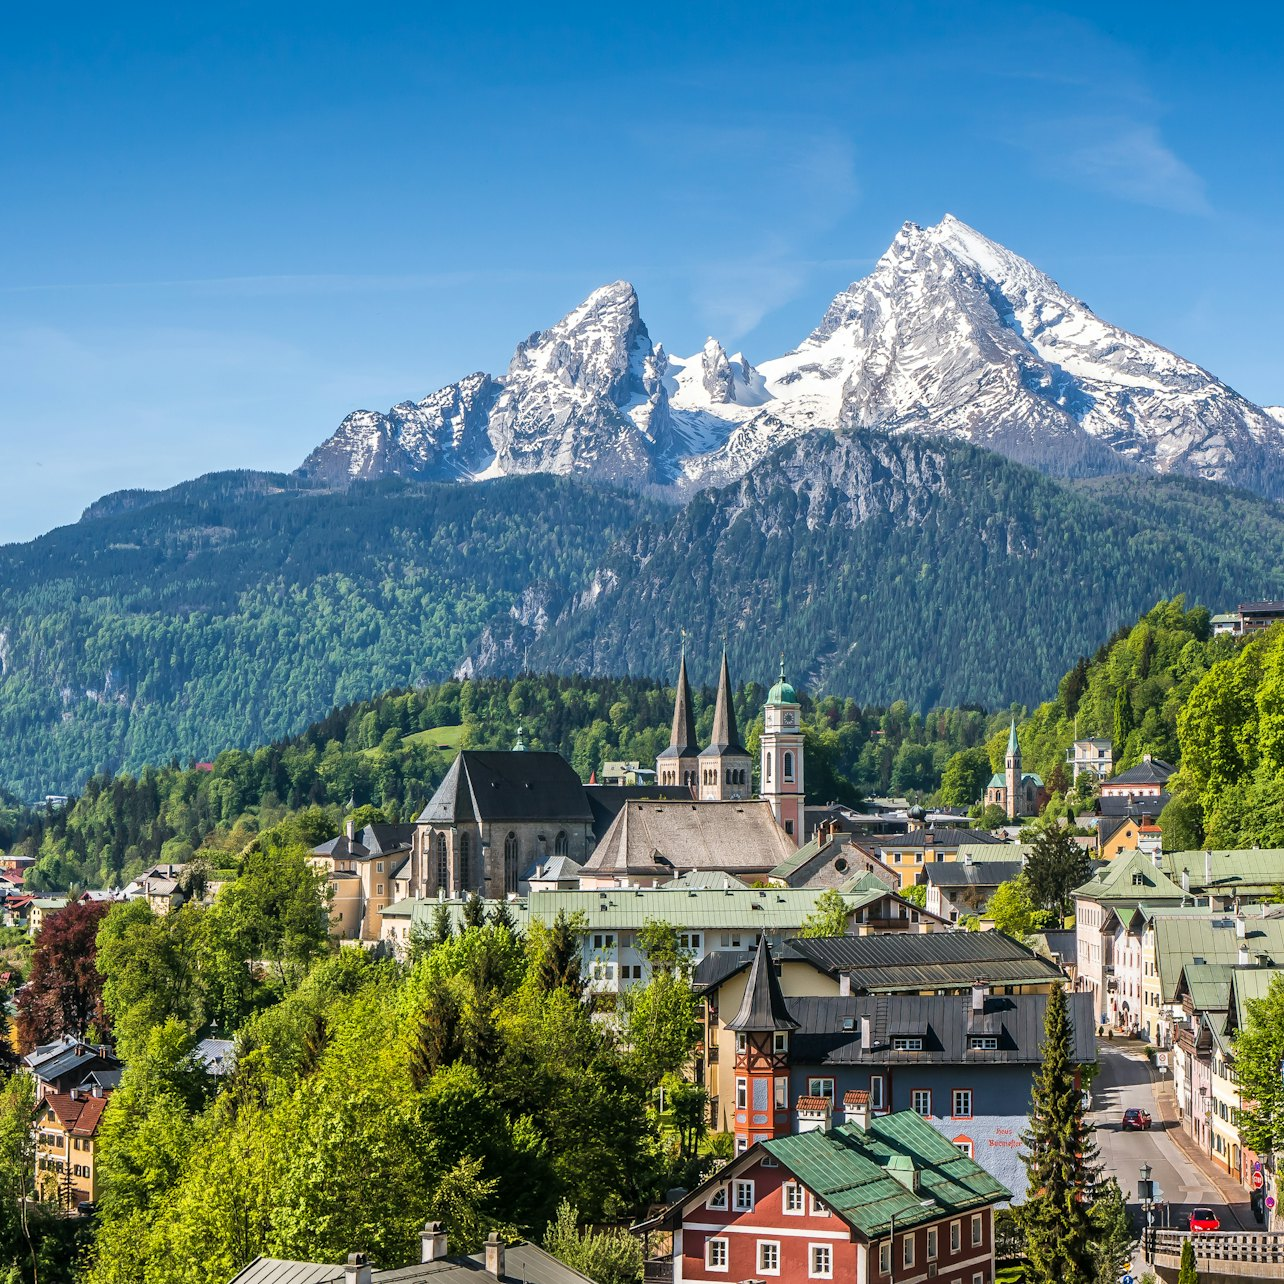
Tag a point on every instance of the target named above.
point(390, 753)
point(236, 609)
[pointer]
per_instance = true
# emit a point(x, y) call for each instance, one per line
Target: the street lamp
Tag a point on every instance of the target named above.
point(891, 1236)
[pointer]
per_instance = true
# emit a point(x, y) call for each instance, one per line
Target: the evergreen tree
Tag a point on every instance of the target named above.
point(441, 928)
point(1057, 865)
point(558, 962)
point(1187, 1272)
point(474, 911)
point(502, 916)
point(1059, 1162)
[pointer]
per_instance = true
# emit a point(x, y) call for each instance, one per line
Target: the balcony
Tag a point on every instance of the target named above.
point(658, 1270)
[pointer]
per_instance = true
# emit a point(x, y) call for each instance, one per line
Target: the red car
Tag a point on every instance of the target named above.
point(1135, 1119)
point(1203, 1220)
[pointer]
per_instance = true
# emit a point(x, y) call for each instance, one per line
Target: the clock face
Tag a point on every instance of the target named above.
point(789, 717)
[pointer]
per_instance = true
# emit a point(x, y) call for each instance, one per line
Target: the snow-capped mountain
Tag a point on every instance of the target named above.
point(950, 334)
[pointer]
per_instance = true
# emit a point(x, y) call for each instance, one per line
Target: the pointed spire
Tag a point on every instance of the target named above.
point(520, 746)
point(764, 1006)
point(725, 736)
point(1013, 747)
point(682, 740)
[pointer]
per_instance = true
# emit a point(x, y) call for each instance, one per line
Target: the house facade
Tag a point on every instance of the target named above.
point(66, 1132)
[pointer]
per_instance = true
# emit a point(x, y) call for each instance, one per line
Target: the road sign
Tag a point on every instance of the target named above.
point(1161, 1060)
point(1270, 1201)
point(1127, 1279)
point(1258, 1179)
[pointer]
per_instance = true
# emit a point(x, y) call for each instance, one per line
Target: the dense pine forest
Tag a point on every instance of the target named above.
point(235, 610)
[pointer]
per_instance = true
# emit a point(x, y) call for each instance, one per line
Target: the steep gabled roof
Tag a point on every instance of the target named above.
point(513, 785)
point(1149, 771)
point(1130, 878)
point(763, 1007)
point(682, 739)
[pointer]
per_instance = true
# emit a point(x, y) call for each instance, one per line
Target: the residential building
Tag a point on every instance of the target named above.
point(69, 1063)
point(626, 773)
point(1148, 779)
point(1094, 755)
point(497, 1263)
point(361, 872)
point(907, 855)
point(1256, 616)
point(66, 1132)
point(962, 888)
point(832, 861)
point(1228, 878)
point(874, 1199)
point(40, 910)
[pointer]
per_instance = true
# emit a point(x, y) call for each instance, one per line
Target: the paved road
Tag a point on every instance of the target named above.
point(1125, 1080)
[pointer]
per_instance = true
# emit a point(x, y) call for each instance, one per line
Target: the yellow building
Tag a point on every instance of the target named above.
point(66, 1128)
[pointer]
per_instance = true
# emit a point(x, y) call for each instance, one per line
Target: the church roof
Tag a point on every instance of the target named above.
point(725, 739)
point(508, 785)
point(682, 739)
point(782, 692)
point(661, 839)
point(764, 1006)
point(1013, 747)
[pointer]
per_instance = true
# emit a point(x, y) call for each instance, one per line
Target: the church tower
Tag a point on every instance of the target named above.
point(725, 768)
point(1012, 768)
point(781, 770)
point(678, 764)
point(762, 1028)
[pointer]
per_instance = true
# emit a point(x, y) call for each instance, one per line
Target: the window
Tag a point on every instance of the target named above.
point(907, 1043)
point(956, 1236)
point(885, 1257)
point(876, 1092)
point(818, 1209)
point(379, 889)
point(604, 940)
point(931, 1243)
point(379, 866)
point(962, 1103)
point(718, 1199)
point(983, 1042)
point(782, 1093)
point(716, 1255)
point(780, 1041)
point(976, 1229)
point(731, 940)
point(465, 862)
point(742, 1094)
point(965, 1145)
point(793, 1199)
point(978, 1278)
point(907, 1250)
point(789, 765)
point(789, 827)
point(820, 1088)
point(921, 1101)
point(742, 1041)
point(769, 1257)
point(766, 770)
point(742, 1197)
point(510, 863)
point(443, 862)
point(689, 941)
point(820, 1261)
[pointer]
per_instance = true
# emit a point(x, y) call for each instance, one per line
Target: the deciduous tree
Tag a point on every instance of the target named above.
point(65, 991)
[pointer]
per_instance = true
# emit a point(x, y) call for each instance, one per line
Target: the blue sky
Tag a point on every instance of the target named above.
point(223, 227)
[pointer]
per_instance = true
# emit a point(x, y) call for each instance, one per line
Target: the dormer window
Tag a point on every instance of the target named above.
point(780, 1041)
point(983, 1042)
point(907, 1043)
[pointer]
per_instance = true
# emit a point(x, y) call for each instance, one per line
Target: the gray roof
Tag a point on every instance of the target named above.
point(725, 737)
point(908, 960)
point(829, 1029)
point(661, 839)
point(954, 873)
point(607, 801)
point(522, 1262)
point(508, 785)
point(1149, 771)
point(682, 738)
point(944, 836)
point(763, 1007)
point(555, 869)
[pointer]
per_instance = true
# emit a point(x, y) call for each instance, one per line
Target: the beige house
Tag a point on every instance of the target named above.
point(361, 872)
point(66, 1130)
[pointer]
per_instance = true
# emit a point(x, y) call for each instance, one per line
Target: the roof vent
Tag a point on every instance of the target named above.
point(902, 1168)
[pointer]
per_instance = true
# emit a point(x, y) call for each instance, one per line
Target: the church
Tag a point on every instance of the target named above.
point(500, 821)
point(1019, 793)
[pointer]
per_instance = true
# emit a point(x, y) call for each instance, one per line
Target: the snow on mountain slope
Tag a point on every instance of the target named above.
point(950, 334)
point(1276, 413)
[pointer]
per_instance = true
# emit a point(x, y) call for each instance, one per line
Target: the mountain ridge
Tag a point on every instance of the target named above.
point(951, 334)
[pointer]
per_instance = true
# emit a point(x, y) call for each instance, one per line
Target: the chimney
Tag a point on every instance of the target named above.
point(495, 1255)
point(979, 993)
point(1185, 880)
point(357, 1271)
point(1245, 958)
point(432, 1241)
point(856, 1109)
point(1208, 868)
point(351, 830)
point(845, 985)
point(98, 1090)
point(866, 1032)
point(1241, 928)
point(902, 1167)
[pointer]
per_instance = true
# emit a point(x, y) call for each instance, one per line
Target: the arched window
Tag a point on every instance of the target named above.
point(766, 769)
point(443, 862)
point(510, 864)
point(561, 844)
point(789, 766)
point(465, 862)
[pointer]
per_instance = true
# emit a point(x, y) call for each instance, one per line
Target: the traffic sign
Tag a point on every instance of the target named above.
point(1270, 1201)
point(1127, 1279)
point(1161, 1060)
point(1258, 1179)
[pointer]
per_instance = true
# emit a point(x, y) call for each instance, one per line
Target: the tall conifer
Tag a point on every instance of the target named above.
point(1059, 1163)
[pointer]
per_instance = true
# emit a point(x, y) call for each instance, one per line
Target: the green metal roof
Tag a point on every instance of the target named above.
point(1208, 985)
point(1116, 881)
point(979, 852)
point(750, 909)
point(1248, 985)
point(848, 1169)
point(1181, 940)
point(796, 861)
point(1230, 870)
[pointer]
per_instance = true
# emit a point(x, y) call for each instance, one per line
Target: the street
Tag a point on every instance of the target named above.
point(1125, 1080)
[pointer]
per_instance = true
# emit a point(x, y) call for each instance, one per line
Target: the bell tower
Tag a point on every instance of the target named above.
point(781, 774)
point(678, 764)
point(763, 1028)
point(725, 766)
point(1012, 771)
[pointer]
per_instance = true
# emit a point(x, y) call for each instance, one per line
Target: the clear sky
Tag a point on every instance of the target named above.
point(224, 226)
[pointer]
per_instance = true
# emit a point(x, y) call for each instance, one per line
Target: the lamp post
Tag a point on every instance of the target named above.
point(891, 1237)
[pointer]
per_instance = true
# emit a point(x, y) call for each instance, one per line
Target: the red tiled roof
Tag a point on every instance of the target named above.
point(814, 1103)
point(855, 1098)
point(79, 1113)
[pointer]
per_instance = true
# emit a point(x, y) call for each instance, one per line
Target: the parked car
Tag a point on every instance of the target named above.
point(1135, 1119)
point(1203, 1219)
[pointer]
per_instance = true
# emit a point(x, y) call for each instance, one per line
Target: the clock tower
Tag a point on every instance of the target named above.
point(781, 776)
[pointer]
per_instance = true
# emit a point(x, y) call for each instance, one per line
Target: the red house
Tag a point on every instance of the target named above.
point(884, 1200)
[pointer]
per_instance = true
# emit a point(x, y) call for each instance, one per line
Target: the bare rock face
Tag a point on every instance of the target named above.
point(950, 335)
